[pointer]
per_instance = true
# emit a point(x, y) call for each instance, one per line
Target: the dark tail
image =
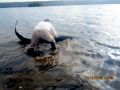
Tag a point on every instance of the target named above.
point(23, 40)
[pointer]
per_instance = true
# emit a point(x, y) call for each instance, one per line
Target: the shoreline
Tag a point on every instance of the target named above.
point(54, 3)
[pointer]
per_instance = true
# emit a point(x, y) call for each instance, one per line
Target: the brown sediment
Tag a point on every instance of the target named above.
point(53, 70)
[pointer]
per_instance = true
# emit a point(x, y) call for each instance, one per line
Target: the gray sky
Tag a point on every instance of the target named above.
point(25, 0)
point(31, 0)
point(48, 0)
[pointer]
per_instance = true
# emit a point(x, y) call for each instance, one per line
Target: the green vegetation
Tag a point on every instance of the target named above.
point(35, 4)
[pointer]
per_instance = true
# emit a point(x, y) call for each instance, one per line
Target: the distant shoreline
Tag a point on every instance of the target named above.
point(56, 3)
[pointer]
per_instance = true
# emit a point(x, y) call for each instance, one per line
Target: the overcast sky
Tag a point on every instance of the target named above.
point(30, 0)
point(50, 0)
point(25, 0)
point(33, 0)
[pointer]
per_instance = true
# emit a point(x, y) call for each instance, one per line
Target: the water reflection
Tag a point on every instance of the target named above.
point(50, 71)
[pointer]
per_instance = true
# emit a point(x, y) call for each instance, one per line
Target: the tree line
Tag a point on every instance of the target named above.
point(35, 4)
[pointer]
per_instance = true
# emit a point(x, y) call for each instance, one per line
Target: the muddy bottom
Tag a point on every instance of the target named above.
point(62, 69)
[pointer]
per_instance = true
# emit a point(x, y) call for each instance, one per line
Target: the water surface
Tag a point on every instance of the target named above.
point(94, 51)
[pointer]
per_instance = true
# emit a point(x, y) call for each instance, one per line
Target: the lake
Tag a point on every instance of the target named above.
point(90, 61)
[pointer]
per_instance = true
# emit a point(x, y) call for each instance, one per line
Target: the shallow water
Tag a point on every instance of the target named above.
point(94, 51)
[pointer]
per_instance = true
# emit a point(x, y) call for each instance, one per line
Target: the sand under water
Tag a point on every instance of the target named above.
point(52, 70)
